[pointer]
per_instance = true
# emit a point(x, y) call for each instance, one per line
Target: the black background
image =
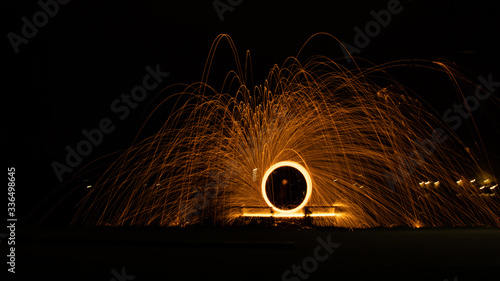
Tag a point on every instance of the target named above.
point(66, 77)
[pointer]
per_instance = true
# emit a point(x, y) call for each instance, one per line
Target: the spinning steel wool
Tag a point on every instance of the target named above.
point(368, 155)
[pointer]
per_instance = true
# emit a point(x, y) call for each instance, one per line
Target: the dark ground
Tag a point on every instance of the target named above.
point(255, 253)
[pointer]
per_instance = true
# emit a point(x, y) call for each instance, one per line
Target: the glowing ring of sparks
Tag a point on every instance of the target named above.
point(302, 170)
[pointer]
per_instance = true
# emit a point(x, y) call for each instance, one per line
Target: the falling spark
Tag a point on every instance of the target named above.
point(211, 155)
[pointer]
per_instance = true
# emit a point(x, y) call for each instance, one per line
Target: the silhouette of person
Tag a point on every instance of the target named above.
point(283, 193)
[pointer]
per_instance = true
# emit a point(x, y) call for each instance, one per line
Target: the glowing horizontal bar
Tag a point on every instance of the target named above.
point(257, 215)
point(289, 215)
point(323, 215)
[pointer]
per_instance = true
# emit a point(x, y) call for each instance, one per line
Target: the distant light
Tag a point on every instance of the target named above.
point(473, 180)
point(486, 180)
point(422, 183)
point(482, 187)
point(89, 186)
point(254, 176)
point(157, 184)
point(459, 181)
point(493, 187)
point(428, 182)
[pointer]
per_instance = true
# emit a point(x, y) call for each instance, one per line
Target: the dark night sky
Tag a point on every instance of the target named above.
point(65, 78)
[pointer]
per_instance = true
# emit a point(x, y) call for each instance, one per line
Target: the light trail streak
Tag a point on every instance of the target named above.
point(345, 126)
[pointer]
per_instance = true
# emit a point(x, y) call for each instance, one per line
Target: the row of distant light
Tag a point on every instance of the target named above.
point(436, 183)
point(486, 181)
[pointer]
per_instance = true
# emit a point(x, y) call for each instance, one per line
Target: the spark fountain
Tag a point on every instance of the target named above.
point(351, 147)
